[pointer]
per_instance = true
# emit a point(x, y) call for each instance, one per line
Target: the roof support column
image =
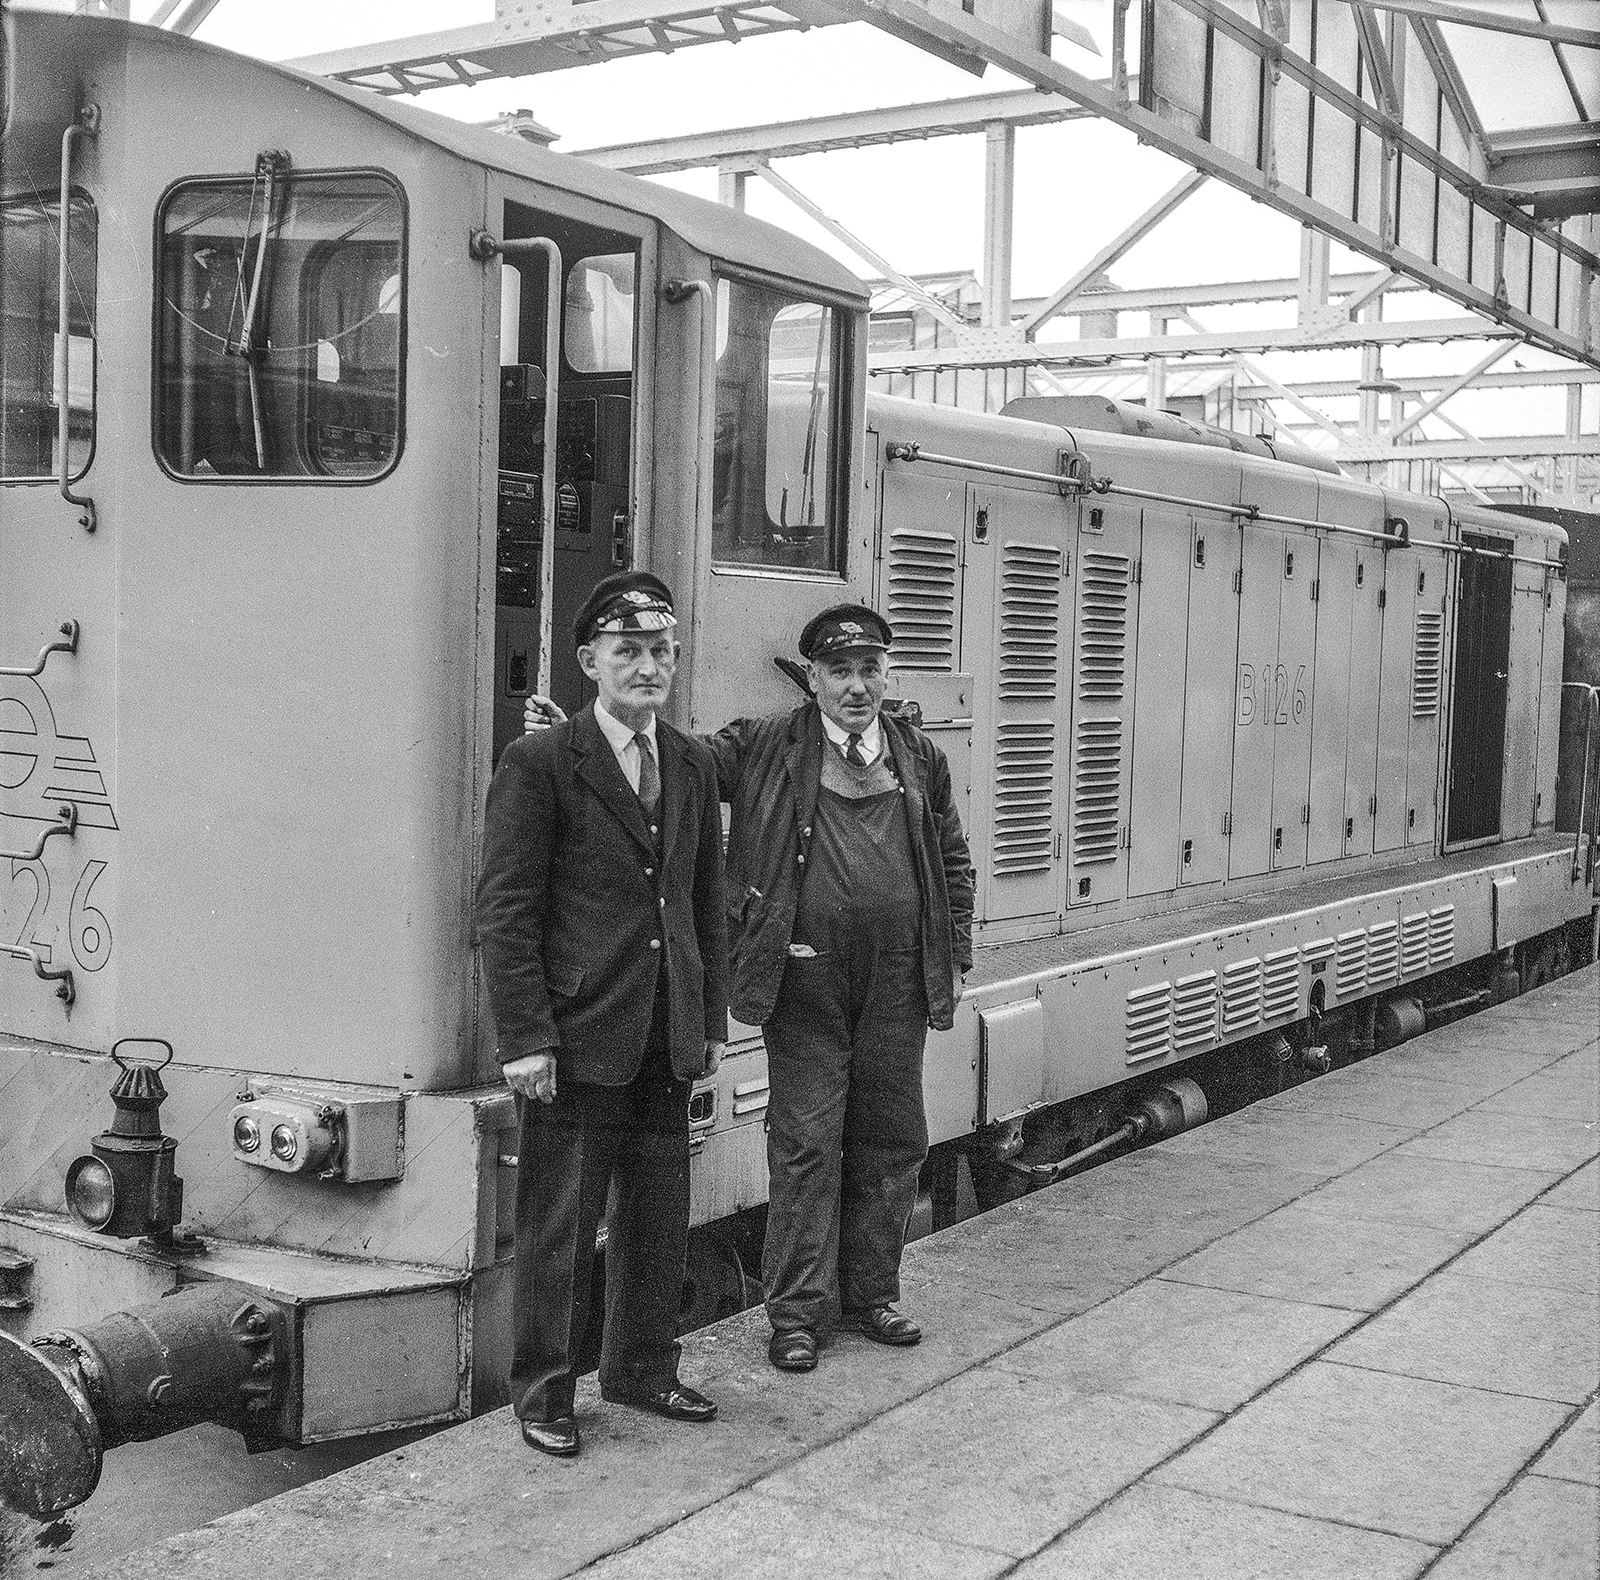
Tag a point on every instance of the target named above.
point(999, 186)
point(1155, 398)
point(1371, 371)
point(731, 180)
point(1574, 430)
point(1313, 275)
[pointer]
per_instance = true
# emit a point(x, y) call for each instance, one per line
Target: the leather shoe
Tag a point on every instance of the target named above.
point(883, 1325)
point(677, 1401)
point(558, 1437)
point(792, 1349)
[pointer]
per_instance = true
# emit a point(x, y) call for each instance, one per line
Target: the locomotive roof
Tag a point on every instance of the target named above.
point(712, 228)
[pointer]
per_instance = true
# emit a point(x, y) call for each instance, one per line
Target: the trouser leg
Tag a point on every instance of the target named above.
point(563, 1166)
point(648, 1235)
point(807, 1070)
point(885, 1131)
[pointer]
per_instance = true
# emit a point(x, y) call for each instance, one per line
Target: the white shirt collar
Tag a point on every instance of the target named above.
point(871, 737)
point(618, 735)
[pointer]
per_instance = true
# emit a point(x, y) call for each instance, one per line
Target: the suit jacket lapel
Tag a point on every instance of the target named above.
point(905, 768)
point(674, 788)
point(597, 767)
point(804, 759)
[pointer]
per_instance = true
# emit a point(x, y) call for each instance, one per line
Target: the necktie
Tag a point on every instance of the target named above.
point(852, 752)
point(649, 775)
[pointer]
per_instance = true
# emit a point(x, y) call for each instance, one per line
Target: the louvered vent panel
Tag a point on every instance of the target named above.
point(1427, 654)
point(1413, 944)
point(1102, 625)
point(1194, 1012)
point(1024, 797)
point(1280, 987)
point(1350, 970)
point(922, 600)
point(1097, 792)
point(1441, 936)
point(1030, 620)
point(1148, 1023)
point(1317, 951)
point(1383, 954)
point(1241, 996)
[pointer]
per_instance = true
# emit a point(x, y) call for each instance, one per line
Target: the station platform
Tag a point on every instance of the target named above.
point(1352, 1331)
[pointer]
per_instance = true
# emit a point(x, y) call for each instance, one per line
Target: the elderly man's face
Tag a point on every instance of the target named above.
point(849, 686)
point(633, 671)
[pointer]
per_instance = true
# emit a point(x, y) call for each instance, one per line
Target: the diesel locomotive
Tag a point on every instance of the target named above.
point(321, 414)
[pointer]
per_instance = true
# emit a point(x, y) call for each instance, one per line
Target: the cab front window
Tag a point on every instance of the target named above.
point(30, 391)
point(281, 325)
point(777, 499)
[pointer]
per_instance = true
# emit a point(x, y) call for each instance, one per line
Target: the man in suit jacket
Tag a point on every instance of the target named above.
point(600, 914)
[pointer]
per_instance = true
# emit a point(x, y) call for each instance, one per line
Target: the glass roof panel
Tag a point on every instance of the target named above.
point(1516, 81)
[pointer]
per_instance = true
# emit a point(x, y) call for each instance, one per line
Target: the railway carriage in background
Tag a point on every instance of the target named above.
point(322, 413)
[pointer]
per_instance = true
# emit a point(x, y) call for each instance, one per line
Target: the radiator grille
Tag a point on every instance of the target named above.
point(1241, 996)
point(1427, 653)
point(1024, 797)
point(1147, 1026)
point(1441, 936)
point(1194, 1012)
point(1280, 988)
point(1030, 620)
point(1383, 954)
point(1413, 944)
point(1097, 792)
point(922, 600)
point(1350, 968)
point(1103, 625)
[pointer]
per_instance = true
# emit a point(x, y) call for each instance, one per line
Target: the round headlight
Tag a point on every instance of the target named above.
point(91, 1193)
point(285, 1143)
point(246, 1133)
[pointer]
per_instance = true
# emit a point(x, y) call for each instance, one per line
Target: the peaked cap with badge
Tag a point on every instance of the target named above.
point(626, 601)
point(844, 628)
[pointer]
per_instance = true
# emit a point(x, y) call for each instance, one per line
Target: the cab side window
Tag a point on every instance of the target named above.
point(776, 479)
point(281, 328)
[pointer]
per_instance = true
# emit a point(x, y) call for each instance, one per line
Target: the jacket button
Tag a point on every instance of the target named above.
point(661, 902)
point(806, 831)
point(801, 858)
point(655, 943)
point(654, 829)
point(649, 872)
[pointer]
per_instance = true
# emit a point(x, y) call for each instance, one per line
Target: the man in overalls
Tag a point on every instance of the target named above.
point(850, 888)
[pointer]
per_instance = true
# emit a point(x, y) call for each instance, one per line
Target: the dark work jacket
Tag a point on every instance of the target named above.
point(769, 771)
point(572, 895)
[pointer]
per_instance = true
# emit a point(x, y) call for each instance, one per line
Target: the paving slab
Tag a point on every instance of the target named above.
point(1563, 1091)
point(1397, 1454)
point(1540, 1530)
point(1578, 1192)
point(1152, 1530)
point(1212, 1195)
point(1480, 1333)
point(1213, 1348)
point(1319, 1254)
point(1373, 1091)
point(990, 1459)
point(1439, 1193)
point(1539, 1247)
point(751, 1536)
point(1273, 1135)
point(1488, 1062)
point(1057, 1259)
point(1509, 1140)
point(1575, 1455)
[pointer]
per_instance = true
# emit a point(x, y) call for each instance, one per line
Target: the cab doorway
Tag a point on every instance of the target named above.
point(1478, 714)
point(593, 525)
